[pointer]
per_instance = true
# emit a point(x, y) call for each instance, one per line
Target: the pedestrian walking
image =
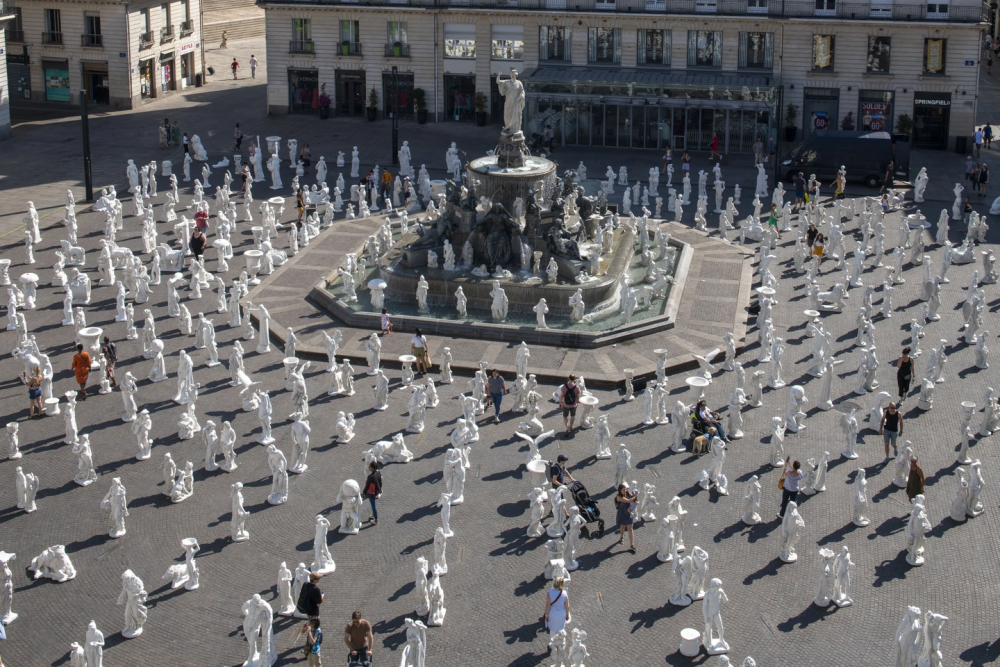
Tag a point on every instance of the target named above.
point(758, 152)
point(245, 175)
point(890, 428)
point(234, 66)
point(110, 352)
point(34, 382)
point(547, 136)
point(989, 62)
point(556, 614)
point(623, 516)
point(164, 136)
point(300, 206)
point(715, 147)
point(237, 138)
point(201, 218)
point(198, 242)
point(175, 134)
point(977, 137)
point(819, 247)
point(314, 639)
point(223, 44)
point(305, 156)
point(969, 166)
point(988, 130)
point(310, 597)
point(569, 398)
point(887, 179)
point(772, 219)
point(184, 140)
point(904, 373)
point(497, 390)
point(685, 164)
point(811, 235)
point(81, 368)
point(358, 637)
point(915, 480)
point(386, 324)
point(668, 159)
point(386, 185)
point(789, 484)
point(984, 179)
point(800, 191)
point(838, 186)
point(421, 350)
point(253, 75)
point(373, 489)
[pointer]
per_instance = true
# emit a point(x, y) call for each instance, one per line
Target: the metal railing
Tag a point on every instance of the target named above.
point(52, 37)
point(771, 8)
point(349, 49)
point(300, 46)
point(15, 36)
point(187, 27)
point(397, 50)
point(92, 40)
point(167, 33)
point(145, 40)
point(6, 7)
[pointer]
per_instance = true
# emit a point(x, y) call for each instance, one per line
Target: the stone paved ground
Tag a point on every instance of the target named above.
point(494, 592)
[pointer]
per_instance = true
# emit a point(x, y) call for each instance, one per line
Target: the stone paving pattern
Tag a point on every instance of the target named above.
point(494, 591)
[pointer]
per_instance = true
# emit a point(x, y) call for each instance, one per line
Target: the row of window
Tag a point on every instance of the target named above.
point(604, 45)
point(92, 24)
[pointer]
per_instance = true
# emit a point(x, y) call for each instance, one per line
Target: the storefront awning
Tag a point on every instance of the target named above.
point(620, 76)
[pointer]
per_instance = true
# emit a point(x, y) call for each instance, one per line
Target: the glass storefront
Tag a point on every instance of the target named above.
point(821, 109)
point(56, 80)
point(146, 90)
point(303, 90)
point(459, 97)
point(403, 92)
point(931, 112)
point(675, 114)
point(167, 72)
point(875, 112)
point(351, 92)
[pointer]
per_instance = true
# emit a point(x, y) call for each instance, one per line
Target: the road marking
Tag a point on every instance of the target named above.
point(600, 600)
point(461, 554)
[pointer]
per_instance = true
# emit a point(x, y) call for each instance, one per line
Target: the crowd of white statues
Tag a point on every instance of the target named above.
point(123, 270)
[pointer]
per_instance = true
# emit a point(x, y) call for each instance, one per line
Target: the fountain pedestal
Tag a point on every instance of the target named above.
point(511, 150)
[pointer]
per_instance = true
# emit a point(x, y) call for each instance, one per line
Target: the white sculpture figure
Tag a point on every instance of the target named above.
point(116, 503)
point(667, 539)
point(264, 412)
point(541, 309)
point(956, 207)
point(440, 544)
point(85, 475)
point(861, 499)
point(774, 380)
point(539, 510)
point(183, 486)
point(791, 532)
point(711, 610)
point(751, 501)
point(622, 464)
point(713, 473)
point(258, 621)
point(133, 596)
point(346, 378)
point(499, 304)
point(647, 502)
point(975, 505)
point(373, 346)
point(53, 563)
point(322, 560)
point(916, 530)
point(278, 464)
point(331, 344)
point(13, 452)
point(188, 573)
point(435, 596)
point(381, 390)
point(454, 475)
point(602, 435)
point(794, 416)
point(350, 511)
point(848, 424)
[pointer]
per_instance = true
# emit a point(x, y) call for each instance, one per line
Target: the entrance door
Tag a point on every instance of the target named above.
point(680, 133)
point(352, 98)
point(97, 84)
point(694, 129)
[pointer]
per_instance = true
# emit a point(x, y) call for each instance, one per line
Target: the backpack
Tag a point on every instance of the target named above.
point(570, 395)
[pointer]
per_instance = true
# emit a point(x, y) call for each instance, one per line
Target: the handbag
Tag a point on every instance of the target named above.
point(781, 483)
point(370, 489)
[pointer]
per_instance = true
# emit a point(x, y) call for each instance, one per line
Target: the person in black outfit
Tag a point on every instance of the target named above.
point(890, 428)
point(811, 235)
point(558, 472)
point(310, 597)
point(373, 489)
point(110, 353)
point(904, 373)
point(198, 241)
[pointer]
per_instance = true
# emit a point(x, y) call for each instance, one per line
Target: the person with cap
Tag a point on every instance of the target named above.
point(558, 472)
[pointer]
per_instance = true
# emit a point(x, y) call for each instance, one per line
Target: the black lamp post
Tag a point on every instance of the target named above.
point(395, 118)
point(88, 182)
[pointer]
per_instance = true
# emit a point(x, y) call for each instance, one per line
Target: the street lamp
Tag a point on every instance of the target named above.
point(395, 117)
point(88, 182)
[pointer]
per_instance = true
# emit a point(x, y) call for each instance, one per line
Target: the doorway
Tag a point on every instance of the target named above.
point(98, 87)
point(351, 92)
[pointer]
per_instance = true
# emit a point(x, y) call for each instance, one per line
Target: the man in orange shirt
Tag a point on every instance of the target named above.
point(81, 367)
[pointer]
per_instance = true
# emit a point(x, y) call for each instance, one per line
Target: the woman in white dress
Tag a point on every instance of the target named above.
point(556, 607)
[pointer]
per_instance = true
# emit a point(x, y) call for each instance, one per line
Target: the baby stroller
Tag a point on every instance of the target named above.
point(588, 508)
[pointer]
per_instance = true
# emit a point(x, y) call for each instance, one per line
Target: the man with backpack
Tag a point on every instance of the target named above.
point(569, 398)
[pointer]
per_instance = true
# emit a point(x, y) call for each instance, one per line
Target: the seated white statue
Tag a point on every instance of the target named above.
point(53, 563)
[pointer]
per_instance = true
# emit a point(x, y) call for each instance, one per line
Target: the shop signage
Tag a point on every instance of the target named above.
point(935, 103)
point(187, 47)
point(821, 121)
point(935, 51)
point(873, 116)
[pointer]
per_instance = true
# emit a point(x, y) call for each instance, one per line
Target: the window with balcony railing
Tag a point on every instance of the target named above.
point(187, 27)
point(15, 31)
point(653, 47)
point(350, 38)
point(15, 36)
point(167, 33)
point(396, 40)
point(145, 40)
point(397, 50)
point(555, 43)
point(300, 46)
point(53, 27)
point(49, 37)
point(92, 41)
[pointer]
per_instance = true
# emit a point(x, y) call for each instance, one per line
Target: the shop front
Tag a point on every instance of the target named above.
point(931, 113)
point(820, 109)
point(397, 94)
point(147, 90)
point(167, 72)
point(56, 77)
point(652, 111)
point(96, 82)
point(351, 92)
point(459, 97)
point(303, 90)
point(875, 110)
